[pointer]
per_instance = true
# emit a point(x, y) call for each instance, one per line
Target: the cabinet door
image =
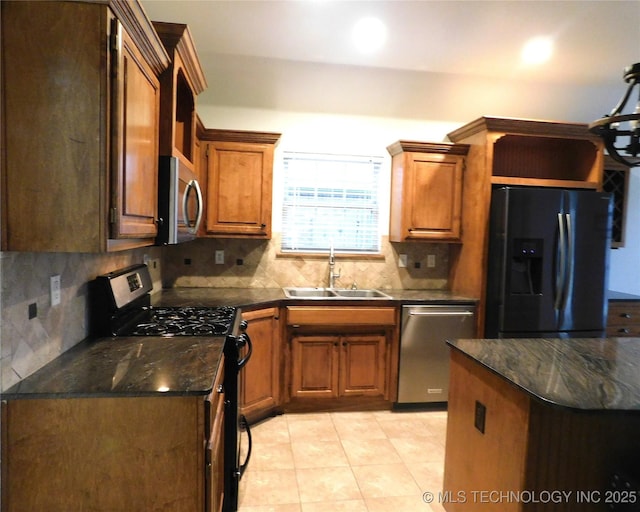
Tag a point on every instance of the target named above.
point(314, 372)
point(135, 131)
point(214, 491)
point(434, 196)
point(260, 394)
point(239, 189)
point(363, 365)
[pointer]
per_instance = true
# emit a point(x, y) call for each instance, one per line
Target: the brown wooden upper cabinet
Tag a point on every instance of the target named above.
point(180, 83)
point(239, 183)
point(426, 191)
point(81, 101)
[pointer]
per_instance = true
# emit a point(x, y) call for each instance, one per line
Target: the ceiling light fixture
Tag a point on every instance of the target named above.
point(537, 50)
point(621, 132)
point(369, 34)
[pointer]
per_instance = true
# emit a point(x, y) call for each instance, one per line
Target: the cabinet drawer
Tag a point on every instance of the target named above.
point(623, 313)
point(624, 330)
point(623, 319)
point(337, 315)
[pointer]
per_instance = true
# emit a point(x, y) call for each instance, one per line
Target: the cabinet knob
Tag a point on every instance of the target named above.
point(623, 331)
point(625, 315)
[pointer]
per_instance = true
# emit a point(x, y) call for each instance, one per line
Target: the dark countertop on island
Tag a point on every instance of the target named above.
point(126, 367)
point(621, 296)
point(578, 373)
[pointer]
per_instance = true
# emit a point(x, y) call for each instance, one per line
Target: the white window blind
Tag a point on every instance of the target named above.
point(331, 199)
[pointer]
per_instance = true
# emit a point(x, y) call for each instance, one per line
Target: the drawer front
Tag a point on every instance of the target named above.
point(624, 330)
point(623, 319)
point(336, 315)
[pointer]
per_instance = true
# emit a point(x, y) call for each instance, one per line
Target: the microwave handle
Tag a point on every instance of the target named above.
point(193, 184)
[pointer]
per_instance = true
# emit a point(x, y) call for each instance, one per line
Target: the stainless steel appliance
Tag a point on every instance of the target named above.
point(180, 203)
point(548, 263)
point(424, 355)
point(121, 306)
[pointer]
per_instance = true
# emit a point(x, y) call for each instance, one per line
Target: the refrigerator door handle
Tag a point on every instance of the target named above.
point(561, 267)
point(568, 280)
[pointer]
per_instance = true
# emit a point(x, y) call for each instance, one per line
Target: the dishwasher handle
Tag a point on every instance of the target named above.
point(441, 313)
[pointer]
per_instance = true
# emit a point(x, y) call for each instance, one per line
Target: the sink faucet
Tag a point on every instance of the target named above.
point(332, 263)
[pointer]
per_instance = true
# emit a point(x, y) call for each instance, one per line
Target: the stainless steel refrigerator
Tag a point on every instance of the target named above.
point(548, 263)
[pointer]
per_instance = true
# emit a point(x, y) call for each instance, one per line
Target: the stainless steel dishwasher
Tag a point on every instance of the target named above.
point(424, 354)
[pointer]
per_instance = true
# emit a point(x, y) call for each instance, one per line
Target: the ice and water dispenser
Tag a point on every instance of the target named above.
point(526, 266)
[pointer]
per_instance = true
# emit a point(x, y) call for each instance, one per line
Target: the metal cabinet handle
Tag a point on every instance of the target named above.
point(625, 315)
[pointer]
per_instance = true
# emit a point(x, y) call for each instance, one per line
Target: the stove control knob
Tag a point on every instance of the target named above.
point(243, 325)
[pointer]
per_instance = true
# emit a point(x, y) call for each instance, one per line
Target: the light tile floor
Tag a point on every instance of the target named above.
point(379, 461)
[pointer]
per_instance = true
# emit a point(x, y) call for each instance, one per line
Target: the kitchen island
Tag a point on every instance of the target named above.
point(543, 424)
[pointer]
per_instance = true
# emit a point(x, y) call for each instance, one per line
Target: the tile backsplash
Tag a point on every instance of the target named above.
point(29, 343)
point(258, 263)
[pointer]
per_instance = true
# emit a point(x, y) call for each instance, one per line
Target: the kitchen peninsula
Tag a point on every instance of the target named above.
point(532, 417)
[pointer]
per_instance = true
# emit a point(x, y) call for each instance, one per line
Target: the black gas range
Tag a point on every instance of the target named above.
point(121, 306)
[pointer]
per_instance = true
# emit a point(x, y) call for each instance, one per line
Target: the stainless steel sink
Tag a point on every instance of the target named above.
point(328, 293)
point(362, 294)
point(308, 293)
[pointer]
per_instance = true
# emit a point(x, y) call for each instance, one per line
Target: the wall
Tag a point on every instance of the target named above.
point(262, 264)
point(27, 344)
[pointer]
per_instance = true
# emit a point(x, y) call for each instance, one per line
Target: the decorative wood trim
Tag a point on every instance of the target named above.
point(213, 135)
point(446, 148)
point(524, 127)
point(177, 37)
point(134, 19)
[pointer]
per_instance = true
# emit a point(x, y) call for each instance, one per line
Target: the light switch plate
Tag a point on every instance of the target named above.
point(402, 261)
point(219, 257)
point(55, 290)
point(431, 260)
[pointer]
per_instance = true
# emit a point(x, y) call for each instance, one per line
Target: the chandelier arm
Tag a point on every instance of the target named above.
point(618, 108)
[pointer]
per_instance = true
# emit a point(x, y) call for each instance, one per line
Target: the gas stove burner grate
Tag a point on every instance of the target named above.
point(181, 328)
point(179, 321)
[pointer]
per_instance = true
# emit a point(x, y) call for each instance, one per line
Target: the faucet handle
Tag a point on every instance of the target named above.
point(354, 286)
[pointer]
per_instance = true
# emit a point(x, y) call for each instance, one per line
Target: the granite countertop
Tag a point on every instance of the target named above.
point(246, 298)
point(578, 373)
point(125, 367)
point(621, 296)
point(157, 366)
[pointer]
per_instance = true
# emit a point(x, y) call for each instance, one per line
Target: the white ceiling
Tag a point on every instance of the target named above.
point(297, 55)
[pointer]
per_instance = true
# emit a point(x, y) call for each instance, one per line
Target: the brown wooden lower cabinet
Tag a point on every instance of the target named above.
point(341, 357)
point(117, 454)
point(261, 377)
point(338, 366)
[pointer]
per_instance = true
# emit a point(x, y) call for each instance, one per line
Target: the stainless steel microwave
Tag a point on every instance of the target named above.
point(180, 203)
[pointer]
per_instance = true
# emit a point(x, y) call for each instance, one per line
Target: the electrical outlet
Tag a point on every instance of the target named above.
point(219, 257)
point(54, 286)
point(402, 261)
point(431, 260)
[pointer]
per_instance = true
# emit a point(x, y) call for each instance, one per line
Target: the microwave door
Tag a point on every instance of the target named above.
point(180, 203)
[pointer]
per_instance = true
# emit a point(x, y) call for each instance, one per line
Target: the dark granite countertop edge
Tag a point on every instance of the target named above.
point(126, 367)
point(567, 406)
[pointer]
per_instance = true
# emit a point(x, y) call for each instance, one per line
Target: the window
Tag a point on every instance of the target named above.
point(331, 199)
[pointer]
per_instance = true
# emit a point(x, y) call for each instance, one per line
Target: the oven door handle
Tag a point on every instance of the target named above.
point(244, 425)
point(243, 340)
